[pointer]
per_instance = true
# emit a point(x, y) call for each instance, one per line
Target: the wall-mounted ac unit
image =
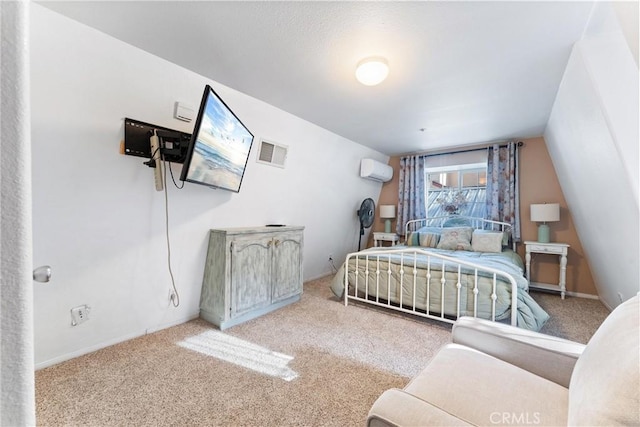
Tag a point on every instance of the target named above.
point(375, 170)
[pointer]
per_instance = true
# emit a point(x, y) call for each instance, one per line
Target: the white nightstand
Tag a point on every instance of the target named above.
point(378, 238)
point(559, 249)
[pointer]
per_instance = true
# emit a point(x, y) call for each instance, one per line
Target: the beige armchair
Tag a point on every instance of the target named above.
point(494, 374)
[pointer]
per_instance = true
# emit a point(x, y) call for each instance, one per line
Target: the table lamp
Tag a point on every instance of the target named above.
point(388, 212)
point(547, 212)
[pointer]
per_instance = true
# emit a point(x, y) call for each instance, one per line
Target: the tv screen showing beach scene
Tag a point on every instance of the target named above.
point(219, 148)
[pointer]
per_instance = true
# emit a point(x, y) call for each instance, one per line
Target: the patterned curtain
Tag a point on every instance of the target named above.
point(411, 203)
point(503, 192)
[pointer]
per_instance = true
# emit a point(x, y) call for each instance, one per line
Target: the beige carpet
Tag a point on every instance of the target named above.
point(573, 318)
point(344, 358)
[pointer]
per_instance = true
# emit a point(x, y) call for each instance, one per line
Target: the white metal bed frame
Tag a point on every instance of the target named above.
point(408, 260)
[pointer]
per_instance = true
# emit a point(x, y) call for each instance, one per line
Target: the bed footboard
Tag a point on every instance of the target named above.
point(429, 284)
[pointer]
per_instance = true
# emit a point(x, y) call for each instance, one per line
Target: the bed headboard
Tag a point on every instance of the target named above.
point(476, 223)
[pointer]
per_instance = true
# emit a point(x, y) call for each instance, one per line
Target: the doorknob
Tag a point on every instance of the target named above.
point(42, 274)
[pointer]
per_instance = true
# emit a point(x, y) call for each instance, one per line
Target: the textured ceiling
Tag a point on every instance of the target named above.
point(460, 72)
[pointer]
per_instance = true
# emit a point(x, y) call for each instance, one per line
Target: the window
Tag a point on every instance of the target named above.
point(458, 189)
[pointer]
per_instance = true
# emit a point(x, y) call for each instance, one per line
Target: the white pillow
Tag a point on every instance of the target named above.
point(486, 241)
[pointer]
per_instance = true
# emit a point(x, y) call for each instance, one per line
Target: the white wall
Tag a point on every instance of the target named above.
point(98, 220)
point(592, 137)
point(627, 14)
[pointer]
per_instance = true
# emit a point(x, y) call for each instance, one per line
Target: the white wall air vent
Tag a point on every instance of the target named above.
point(377, 171)
point(272, 153)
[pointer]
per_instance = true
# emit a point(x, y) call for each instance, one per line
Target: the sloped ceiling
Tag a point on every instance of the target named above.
point(460, 72)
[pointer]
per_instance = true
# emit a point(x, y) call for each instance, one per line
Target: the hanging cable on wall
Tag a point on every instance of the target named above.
point(175, 296)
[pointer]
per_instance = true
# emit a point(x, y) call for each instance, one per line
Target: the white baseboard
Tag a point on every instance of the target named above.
point(104, 344)
point(581, 295)
point(547, 287)
point(568, 293)
point(606, 305)
point(320, 276)
point(177, 322)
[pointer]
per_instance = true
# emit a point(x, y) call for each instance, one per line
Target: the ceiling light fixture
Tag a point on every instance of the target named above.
point(372, 71)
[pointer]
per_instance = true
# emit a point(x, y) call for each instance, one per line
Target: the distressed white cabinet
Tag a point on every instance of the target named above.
point(250, 272)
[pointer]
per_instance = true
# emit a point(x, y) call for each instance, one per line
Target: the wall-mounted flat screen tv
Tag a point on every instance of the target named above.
point(219, 147)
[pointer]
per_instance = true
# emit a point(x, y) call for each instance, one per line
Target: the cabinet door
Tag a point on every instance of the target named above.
point(250, 274)
point(287, 267)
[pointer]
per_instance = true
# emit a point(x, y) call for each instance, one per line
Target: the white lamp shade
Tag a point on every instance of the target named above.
point(372, 71)
point(547, 212)
point(387, 211)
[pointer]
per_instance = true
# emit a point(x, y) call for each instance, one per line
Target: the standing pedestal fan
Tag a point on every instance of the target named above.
point(365, 215)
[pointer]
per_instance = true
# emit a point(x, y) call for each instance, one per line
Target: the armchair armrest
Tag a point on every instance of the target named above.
point(546, 356)
point(398, 408)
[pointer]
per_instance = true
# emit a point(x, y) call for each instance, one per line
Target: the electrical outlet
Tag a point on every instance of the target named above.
point(80, 314)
